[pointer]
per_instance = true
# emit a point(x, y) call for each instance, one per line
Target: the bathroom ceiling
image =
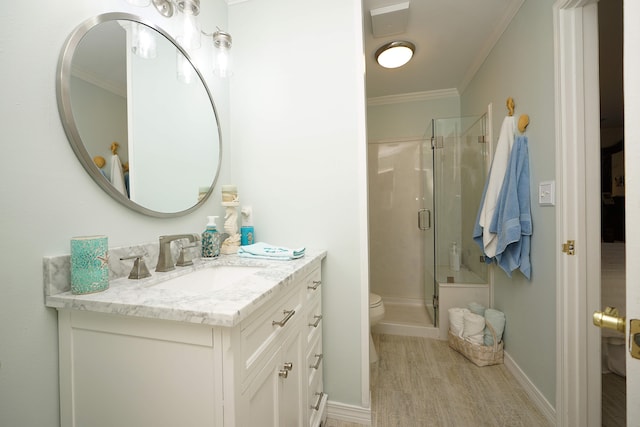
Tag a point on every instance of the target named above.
point(452, 38)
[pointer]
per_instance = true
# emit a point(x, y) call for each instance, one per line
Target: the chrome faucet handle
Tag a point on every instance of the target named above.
point(139, 270)
point(183, 259)
point(165, 260)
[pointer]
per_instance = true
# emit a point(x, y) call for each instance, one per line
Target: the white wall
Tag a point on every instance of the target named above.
point(47, 197)
point(521, 66)
point(395, 188)
point(298, 155)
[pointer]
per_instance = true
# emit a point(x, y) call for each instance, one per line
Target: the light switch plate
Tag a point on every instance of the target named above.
point(547, 193)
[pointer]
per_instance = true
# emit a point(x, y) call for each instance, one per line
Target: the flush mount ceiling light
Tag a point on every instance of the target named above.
point(395, 54)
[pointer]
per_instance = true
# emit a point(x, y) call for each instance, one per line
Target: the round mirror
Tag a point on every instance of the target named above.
point(139, 115)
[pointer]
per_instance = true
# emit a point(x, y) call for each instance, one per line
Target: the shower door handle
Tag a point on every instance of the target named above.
point(424, 219)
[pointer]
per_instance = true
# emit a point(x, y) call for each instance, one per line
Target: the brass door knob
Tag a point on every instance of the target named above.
point(609, 319)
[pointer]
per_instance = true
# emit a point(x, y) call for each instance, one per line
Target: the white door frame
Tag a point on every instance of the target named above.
point(578, 394)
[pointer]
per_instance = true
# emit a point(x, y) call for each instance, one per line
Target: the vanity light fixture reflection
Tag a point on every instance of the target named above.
point(143, 41)
point(395, 54)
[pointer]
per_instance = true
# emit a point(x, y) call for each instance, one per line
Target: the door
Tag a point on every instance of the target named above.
point(632, 157)
point(577, 122)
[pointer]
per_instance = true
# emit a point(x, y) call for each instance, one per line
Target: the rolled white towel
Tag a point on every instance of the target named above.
point(473, 328)
point(456, 320)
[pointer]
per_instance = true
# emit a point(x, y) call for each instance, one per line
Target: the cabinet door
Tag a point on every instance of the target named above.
point(291, 399)
point(273, 397)
point(260, 399)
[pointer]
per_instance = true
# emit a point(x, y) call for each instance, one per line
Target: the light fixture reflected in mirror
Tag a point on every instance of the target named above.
point(184, 69)
point(221, 53)
point(395, 54)
point(143, 42)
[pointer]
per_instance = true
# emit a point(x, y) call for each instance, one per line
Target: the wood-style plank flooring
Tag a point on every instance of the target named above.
point(422, 382)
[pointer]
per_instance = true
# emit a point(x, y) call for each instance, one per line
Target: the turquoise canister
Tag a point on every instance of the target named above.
point(89, 264)
point(211, 239)
point(247, 236)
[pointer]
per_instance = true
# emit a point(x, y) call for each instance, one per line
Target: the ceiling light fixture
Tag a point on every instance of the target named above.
point(395, 54)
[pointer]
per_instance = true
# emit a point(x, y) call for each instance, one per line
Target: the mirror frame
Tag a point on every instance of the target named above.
point(63, 94)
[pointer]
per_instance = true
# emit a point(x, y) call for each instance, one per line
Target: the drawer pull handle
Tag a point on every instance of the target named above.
point(288, 315)
point(317, 405)
point(315, 285)
point(318, 362)
point(288, 366)
point(283, 373)
point(317, 322)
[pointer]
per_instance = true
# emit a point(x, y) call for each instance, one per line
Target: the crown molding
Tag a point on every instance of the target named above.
point(414, 97)
point(99, 81)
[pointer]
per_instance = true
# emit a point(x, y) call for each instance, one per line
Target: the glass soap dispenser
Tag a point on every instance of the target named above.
point(211, 239)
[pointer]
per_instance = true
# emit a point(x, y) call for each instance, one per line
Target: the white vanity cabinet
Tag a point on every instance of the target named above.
point(118, 370)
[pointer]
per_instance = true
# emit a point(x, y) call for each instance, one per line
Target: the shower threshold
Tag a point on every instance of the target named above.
point(406, 319)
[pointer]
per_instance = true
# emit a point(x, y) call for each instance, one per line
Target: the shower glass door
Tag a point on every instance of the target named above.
point(426, 219)
point(454, 168)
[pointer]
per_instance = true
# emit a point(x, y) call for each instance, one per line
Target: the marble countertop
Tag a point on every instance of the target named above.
point(223, 307)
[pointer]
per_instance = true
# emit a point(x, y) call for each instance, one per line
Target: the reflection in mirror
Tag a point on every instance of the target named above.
point(138, 115)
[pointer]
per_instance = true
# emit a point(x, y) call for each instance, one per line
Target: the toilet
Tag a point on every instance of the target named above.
point(376, 314)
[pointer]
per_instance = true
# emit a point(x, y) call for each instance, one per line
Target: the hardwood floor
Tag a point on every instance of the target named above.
point(422, 382)
point(614, 401)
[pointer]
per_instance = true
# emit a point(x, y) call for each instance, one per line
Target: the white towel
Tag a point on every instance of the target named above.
point(117, 176)
point(473, 328)
point(456, 320)
point(496, 177)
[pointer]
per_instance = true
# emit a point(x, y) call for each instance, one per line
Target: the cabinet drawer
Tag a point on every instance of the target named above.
point(316, 398)
point(262, 329)
point(314, 362)
point(314, 318)
point(313, 283)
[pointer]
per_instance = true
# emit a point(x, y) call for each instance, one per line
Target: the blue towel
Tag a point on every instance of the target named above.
point(512, 219)
point(265, 251)
point(497, 320)
point(476, 308)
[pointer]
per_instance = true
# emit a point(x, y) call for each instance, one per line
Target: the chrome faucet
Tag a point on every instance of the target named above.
point(165, 260)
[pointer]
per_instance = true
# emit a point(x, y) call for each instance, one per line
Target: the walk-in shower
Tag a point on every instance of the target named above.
point(424, 194)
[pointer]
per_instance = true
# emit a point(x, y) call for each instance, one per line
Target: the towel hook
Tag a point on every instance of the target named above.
point(114, 147)
point(523, 121)
point(510, 105)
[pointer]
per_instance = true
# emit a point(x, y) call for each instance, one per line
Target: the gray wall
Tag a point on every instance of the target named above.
point(299, 153)
point(521, 66)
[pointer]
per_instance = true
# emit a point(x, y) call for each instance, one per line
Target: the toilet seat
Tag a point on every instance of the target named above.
point(375, 300)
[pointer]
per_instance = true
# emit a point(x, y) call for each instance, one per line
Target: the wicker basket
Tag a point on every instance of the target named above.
point(481, 355)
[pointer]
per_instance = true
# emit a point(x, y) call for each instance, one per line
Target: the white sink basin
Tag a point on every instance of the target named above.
point(208, 279)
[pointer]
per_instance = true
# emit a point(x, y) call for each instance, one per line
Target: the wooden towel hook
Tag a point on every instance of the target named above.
point(510, 105)
point(114, 147)
point(523, 121)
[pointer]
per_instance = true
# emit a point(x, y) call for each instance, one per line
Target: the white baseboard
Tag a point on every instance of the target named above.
point(343, 412)
point(532, 391)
